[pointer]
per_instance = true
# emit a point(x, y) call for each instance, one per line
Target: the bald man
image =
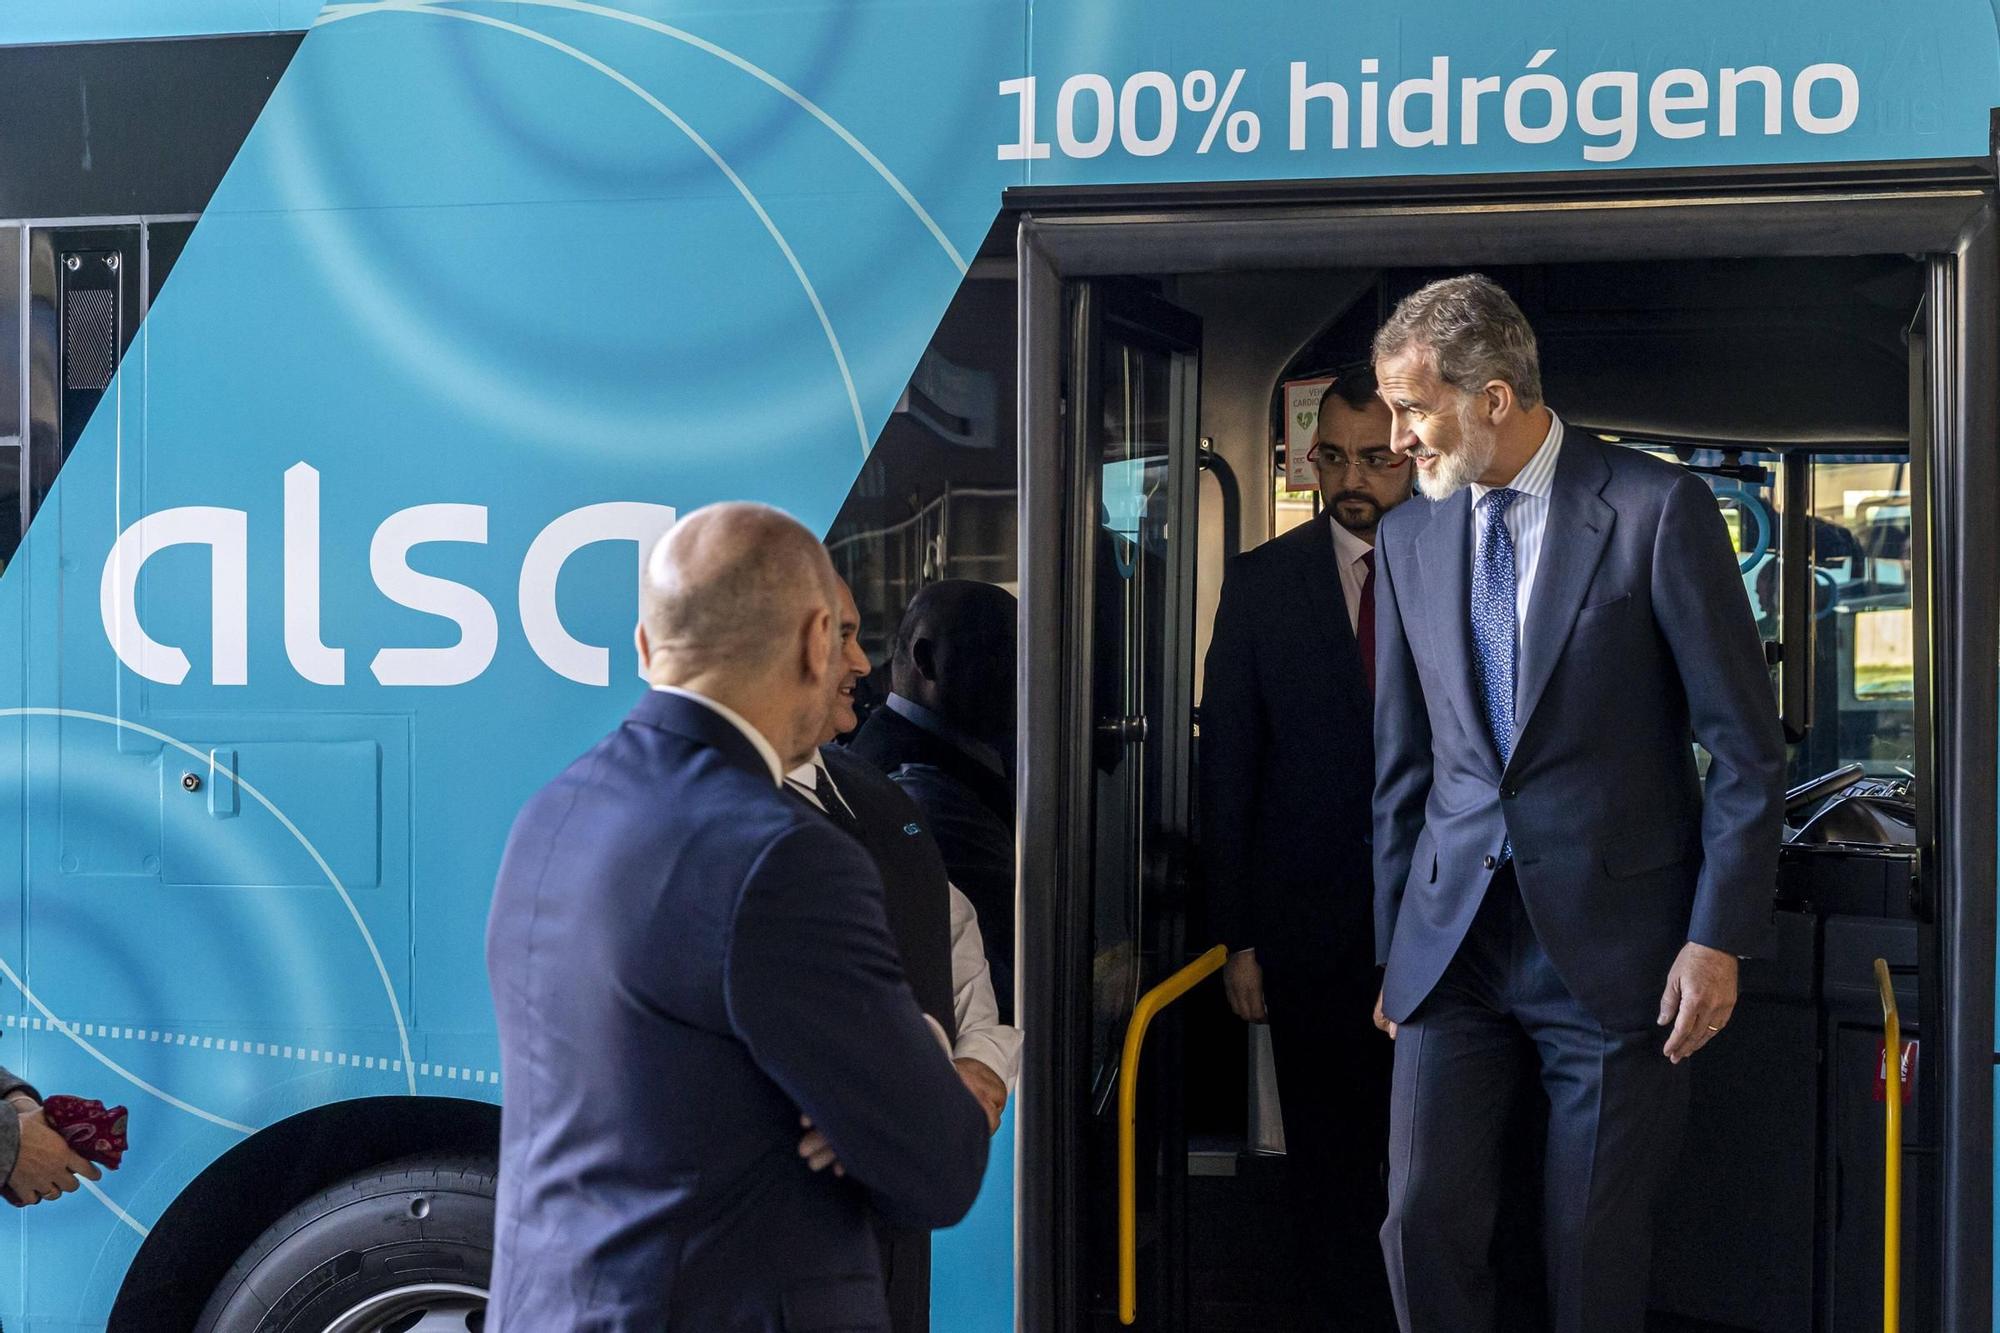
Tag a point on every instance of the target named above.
point(692, 968)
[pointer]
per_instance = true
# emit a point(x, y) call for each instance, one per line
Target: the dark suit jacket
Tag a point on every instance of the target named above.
point(971, 811)
point(1287, 760)
point(1638, 643)
point(916, 889)
point(684, 959)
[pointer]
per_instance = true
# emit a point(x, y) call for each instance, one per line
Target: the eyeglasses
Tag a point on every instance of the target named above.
point(1375, 460)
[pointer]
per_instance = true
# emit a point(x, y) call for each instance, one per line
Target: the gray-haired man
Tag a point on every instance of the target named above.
point(1554, 885)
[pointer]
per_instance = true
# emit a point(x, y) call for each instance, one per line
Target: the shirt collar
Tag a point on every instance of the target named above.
point(737, 720)
point(807, 774)
point(912, 711)
point(1537, 476)
point(1350, 548)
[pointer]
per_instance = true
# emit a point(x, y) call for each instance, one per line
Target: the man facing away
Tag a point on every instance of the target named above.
point(937, 936)
point(1554, 886)
point(1287, 773)
point(690, 967)
point(946, 734)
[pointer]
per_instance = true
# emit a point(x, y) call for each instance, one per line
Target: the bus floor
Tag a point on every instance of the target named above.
point(1241, 1262)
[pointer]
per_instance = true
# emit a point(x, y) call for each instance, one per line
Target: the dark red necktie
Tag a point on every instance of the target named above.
point(1364, 623)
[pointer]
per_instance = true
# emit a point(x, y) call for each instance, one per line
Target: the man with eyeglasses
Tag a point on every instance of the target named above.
point(1287, 778)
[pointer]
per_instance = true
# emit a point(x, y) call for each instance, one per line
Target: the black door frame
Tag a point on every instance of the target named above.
point(1942, 210)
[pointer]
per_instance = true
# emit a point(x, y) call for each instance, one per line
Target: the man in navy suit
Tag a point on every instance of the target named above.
point(1555, 883)
point(1287, 775)
point(946, 735)
point(936, 933)
point(691, 968)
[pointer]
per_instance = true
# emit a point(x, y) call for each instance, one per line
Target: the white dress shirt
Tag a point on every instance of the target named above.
point(1527, 518)
point(738, 721)
point(981, 1034)
point(1350, 555)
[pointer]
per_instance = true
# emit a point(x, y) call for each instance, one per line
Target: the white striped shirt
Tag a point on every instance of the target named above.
point(1527, 518)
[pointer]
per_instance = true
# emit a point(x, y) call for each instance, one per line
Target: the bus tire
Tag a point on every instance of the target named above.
point(408, 1243)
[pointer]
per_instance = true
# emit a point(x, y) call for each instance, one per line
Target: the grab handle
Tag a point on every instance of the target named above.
point(1892, 1164)
point(1150, 1004)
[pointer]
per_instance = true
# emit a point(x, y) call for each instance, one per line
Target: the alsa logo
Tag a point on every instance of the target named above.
point(226, 533)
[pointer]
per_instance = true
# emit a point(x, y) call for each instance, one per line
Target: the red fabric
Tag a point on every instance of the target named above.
point(95, 1132)
point(1364, 626)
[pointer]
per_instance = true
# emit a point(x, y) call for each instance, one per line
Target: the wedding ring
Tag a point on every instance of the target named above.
point(1712, 1027)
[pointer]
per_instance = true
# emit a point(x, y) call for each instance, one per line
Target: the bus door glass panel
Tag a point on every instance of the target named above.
point(1132, 431)
point(1141, 448)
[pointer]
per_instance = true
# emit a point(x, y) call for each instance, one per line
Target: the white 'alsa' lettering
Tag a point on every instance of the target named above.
point(621, 520)
point(225, 532)
point(478, 628)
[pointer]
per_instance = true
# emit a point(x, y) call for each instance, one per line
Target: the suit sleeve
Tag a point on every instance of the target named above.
point(1232, 749)
point(1699, 604)
point(815, 990)
point(10, 1122)
point(1402, 754)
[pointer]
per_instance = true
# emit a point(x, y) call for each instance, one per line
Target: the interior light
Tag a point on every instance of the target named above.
point(1609, 439)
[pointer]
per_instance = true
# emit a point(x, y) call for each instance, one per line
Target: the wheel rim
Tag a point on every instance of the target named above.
point(421, 1307)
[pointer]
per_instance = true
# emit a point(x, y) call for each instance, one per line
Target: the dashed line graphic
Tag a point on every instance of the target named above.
point(269, 1049)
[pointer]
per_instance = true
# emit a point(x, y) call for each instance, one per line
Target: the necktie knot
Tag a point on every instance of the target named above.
point(1368, 563)
point(1494, 505)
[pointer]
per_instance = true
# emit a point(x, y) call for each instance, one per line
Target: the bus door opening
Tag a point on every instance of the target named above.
point(1802, 392)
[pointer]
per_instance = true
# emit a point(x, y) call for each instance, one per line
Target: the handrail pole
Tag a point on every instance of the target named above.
point(1150, 1004)
point(1892, 1165)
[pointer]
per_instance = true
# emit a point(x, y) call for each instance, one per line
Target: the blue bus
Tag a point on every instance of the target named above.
point(350, 353)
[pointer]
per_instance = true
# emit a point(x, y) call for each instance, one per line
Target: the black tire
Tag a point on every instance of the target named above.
point(401, 1247)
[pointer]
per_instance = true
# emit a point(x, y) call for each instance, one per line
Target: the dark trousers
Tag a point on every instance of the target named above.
point(1333, 1087)
point(1499, 1022)
point(906, 1268)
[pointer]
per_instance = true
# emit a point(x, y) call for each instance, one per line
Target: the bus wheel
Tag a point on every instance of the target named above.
point(400, 1248)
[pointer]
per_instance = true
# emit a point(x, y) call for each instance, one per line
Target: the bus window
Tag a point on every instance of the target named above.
point(11, 518)
point(1861, 561)
point(936, 498)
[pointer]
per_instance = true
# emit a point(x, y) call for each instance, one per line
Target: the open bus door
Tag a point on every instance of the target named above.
point(1866, 542)
point(1123, 650)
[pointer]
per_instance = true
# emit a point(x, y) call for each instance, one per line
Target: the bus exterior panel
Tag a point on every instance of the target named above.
point(343, 566)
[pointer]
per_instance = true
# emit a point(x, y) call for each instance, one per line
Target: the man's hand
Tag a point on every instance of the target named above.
point(1700, 997)
point(988, 1087)
point(1382, 1019)
point(1243, 981)
point(46, 1167)
point(817, 1151)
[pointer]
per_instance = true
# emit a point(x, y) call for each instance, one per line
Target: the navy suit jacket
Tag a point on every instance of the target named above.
point(971, 813)
point(685, 959)
point(1639, 642)
point(1287, 761)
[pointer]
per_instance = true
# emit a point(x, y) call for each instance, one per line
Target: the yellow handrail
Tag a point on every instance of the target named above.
point(1892, 1166)
point(1150, 1004)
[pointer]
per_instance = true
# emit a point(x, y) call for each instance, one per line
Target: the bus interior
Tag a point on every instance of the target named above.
point(1805, 351)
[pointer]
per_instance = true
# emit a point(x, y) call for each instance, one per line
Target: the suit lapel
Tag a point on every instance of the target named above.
point(1444, 555)
point(1579, 527)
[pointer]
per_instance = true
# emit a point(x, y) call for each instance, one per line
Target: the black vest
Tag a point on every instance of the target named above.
point(915, 886)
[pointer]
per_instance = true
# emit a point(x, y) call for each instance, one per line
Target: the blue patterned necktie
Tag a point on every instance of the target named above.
point(1493, 610)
